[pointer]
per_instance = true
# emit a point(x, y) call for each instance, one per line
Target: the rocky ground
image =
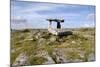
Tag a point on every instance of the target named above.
point(35, 47)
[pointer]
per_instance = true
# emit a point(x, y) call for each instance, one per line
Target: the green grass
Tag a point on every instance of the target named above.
point(73, 55)
point(30, 47)
point(36, 60)
point(14, 56)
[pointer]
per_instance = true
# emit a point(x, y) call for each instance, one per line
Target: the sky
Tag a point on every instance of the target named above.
point(34, 14)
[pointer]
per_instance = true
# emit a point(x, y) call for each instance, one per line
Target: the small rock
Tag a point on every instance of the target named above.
point(53, 39)
point(73, 42)
point(61, 40)
point(41, 42)
point(38, 35)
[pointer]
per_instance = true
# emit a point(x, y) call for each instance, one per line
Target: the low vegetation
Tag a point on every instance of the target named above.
point(78, 47)
point(36, 60)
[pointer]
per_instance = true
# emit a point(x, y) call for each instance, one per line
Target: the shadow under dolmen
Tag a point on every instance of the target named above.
point(65, 33)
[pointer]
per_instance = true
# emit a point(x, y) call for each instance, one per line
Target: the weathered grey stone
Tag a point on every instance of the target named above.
point(38, 35)
point(59, 56)
point(21, 60)
point(41, 42)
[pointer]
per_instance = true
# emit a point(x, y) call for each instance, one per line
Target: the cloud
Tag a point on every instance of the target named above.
point(88, 25)
point(91, 16)
point(34, 9)
point(18, 20)
point(36, 14)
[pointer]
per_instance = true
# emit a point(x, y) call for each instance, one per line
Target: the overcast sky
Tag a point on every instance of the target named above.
point(34, 15)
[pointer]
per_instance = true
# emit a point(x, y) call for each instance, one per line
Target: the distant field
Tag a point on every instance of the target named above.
point(37, 46)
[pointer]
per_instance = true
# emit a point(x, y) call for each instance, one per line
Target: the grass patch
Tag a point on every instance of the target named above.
point(29, 47)
point(73, 55)
point(79, 39)
point(36, 60)
point(14, 56)
point(49, 49)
